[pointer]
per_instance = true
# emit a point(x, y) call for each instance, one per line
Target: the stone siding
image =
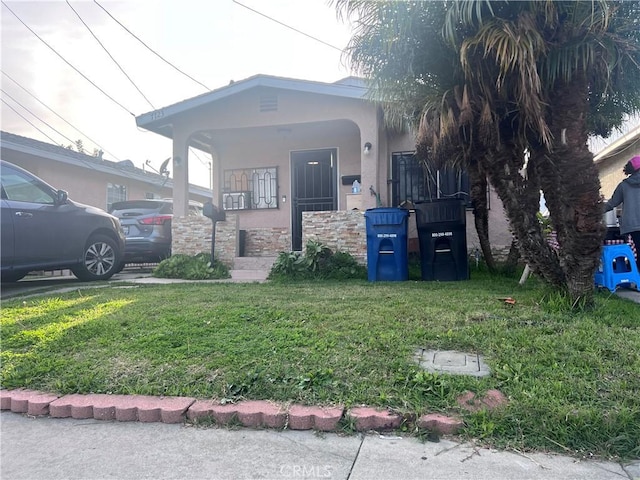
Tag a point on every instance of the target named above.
point(343, 231)
point(265, 242)
point(192, 235)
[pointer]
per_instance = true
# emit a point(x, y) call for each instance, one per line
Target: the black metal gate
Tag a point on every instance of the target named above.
point(313, 187)
point(411, 181)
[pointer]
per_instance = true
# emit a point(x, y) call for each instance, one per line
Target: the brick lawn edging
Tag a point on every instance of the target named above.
point(252, 413)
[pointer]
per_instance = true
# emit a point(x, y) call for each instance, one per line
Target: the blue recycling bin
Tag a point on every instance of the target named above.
point(387, 257)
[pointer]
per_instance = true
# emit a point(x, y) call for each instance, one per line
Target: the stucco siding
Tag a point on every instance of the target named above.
point(610, 169)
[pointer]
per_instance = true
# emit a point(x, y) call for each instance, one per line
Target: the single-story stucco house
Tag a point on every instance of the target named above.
point(285, 155)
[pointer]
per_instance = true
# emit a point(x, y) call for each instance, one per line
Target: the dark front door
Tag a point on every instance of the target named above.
point(313, 188)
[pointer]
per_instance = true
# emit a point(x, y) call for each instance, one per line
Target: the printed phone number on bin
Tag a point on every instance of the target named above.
point(387, 235)
point(441, 234)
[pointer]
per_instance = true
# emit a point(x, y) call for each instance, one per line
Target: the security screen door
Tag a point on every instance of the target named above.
point(313, 186)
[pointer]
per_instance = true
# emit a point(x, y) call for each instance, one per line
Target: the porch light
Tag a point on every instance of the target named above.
point(367, 148)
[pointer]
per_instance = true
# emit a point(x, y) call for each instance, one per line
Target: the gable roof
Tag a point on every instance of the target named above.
point(124, 169)
point(159, 121)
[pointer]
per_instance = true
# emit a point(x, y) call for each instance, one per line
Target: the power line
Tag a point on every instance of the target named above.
point(67, 62)
point(25, 108)
point(110, 56)
point(60, 117)
point(287, 26)
point(59, 133)
point(26, 120)
point(150, 49)
point(195, 153)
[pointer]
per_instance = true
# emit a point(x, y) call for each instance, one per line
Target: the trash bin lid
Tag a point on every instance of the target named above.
point(386, 216)
point(441, 210)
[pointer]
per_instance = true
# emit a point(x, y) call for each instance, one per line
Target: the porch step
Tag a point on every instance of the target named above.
point(249, 275)
point(251, 268)
point(253, 263)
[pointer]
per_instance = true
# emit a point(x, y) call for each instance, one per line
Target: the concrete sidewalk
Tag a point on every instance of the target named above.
point(48, 448)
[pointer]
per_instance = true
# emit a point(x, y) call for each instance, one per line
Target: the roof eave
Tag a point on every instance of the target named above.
point(617, 146)
point(159, 120)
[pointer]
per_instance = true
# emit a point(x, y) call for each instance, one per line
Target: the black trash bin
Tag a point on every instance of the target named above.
point(442, 233)
point(387, 258)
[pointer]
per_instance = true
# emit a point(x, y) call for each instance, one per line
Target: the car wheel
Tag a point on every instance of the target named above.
point(100, 261)
point(11, 277)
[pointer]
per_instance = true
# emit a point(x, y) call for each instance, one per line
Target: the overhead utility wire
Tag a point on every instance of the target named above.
point(288, 26)
point(78, 71)
point(58, 132)
point(60, 117)
point(110, 56)
point(25, 108)
point(26, 120)
point(150, 49)
point(193, 150)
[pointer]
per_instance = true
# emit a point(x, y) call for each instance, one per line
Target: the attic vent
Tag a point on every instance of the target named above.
point(268, 103)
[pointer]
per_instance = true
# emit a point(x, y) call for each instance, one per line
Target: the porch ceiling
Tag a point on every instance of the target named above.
point(315, 134)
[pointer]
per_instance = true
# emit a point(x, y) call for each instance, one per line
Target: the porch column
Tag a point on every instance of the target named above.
point(216, 176)
point(369, 162)
point(180, 174)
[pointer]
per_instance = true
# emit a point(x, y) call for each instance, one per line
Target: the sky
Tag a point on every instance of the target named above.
point(211, 41)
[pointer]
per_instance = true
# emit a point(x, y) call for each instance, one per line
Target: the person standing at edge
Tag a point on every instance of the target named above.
point(628, 193)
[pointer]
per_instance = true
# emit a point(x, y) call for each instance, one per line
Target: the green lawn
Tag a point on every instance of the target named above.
point(573, 379)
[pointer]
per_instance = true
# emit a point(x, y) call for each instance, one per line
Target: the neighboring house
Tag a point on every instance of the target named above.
point(87, 179)
point(285, 154)
point(611, 159)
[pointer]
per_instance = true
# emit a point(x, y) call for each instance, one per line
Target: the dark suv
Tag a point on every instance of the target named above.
point(147, 227)
point(42, 229)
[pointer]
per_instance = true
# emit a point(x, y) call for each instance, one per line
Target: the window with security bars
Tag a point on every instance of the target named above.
point(412, 182)
point(250, 188)
point(115, 193)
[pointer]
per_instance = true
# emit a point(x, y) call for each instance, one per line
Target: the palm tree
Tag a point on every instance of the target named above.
point(561, 64)
point(528, 82)
point(413, 86)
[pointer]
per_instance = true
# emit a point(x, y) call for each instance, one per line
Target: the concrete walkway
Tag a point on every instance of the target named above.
point(47, 448)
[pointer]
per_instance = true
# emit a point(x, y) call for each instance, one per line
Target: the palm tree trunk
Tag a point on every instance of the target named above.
point(512, 258)
point(521, 199)
point(570, 182)
point(478, 192)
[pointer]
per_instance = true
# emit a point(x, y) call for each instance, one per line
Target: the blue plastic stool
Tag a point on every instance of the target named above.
point(617, 268)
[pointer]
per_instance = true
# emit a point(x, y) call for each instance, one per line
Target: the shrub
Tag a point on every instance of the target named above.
point(341, 265)
point(319, 262)
point(288, 264)
point(188, 267)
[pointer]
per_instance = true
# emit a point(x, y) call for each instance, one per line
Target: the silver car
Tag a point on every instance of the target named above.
point(42, 229)
point(147, 227)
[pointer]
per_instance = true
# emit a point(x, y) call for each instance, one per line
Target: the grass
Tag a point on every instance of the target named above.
point(572, 378)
